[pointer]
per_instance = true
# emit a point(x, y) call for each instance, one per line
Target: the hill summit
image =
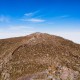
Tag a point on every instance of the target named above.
point(39, 56)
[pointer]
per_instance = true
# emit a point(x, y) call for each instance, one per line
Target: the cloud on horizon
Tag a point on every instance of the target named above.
point(73, 36)
point(15, 31)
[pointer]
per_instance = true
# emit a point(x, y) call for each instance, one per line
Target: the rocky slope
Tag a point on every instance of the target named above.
point(39, 56)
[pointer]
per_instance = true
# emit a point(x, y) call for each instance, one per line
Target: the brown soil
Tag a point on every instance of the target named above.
point(39, 52)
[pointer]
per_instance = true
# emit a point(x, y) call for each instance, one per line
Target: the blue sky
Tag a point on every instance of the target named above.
point(58, 17)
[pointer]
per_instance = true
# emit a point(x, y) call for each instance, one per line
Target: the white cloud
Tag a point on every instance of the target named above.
point(34, 20)
point(31, 13)
point(28, 14)
point(4, 18)
point(15, 31)
point(32, 17)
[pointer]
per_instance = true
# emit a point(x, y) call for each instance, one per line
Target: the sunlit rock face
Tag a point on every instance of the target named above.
point(39, 56)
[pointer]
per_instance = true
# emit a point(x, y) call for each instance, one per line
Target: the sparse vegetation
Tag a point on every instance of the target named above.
point(37, 55)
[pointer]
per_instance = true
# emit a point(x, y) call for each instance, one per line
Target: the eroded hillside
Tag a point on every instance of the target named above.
point(39, 56)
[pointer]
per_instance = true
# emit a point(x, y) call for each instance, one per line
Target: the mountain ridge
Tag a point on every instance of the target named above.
point(37, 53)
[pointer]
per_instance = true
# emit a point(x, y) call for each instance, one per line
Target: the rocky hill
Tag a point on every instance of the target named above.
point(39, 56)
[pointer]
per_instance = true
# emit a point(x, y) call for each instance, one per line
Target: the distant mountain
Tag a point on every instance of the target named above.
point(39, 56)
